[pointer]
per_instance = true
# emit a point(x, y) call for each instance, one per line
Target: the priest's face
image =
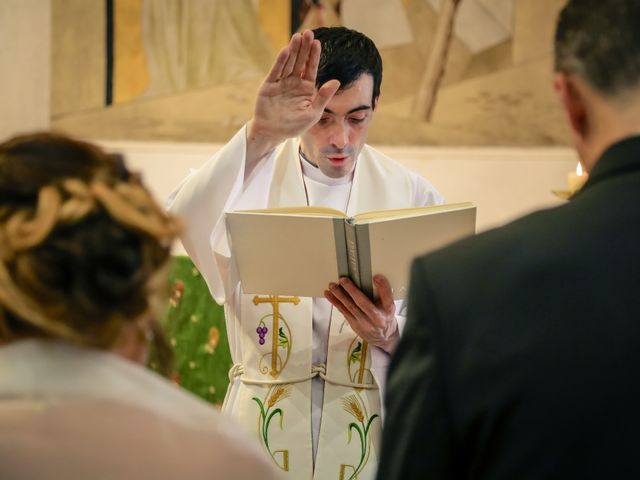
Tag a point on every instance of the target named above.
point(333, 144)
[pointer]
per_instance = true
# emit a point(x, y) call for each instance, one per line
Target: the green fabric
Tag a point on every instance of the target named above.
point(195, 327)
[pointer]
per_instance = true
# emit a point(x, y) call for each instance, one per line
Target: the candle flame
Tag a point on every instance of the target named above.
point(579, 169)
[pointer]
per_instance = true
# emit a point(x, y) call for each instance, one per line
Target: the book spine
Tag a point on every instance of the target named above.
point(340, 239)
point(352, 253)
point(359, 251)
point(363, 247)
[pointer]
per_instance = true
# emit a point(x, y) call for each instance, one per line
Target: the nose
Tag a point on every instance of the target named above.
point(339, 136)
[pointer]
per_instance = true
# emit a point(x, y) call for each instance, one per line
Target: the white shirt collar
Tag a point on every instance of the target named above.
point(315, 174)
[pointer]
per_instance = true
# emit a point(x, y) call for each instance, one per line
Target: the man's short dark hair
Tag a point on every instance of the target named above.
point(346, 55)
point(599, 41)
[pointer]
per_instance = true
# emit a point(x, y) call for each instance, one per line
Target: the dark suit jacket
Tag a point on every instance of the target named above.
point(521, 354)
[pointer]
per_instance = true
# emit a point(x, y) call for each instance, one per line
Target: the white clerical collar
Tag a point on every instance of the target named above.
point(314, 173)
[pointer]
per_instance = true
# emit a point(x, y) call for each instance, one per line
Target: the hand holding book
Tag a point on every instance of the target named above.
point(374, 321)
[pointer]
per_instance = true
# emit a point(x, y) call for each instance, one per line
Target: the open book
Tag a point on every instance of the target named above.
point(300, 250)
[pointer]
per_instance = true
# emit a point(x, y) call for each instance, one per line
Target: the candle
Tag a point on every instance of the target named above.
point(576, 179)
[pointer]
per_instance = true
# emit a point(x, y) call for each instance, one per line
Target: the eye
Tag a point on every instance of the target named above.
point(323, 120)
point(357, 120)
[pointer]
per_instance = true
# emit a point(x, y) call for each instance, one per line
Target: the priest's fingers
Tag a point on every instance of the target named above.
point(362, 326)
point(311, 68)
point(359, 323)
point(276, 70)
point(363, 302)
point(385, 293)
point(340, 298)
point(356, 297)
point(294, 49)
point(343, 300)
point(363, 315)
point(335, 301)
point(324, 94)
point(303, 54)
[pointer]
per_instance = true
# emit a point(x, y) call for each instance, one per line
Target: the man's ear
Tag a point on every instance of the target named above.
point(572, 101)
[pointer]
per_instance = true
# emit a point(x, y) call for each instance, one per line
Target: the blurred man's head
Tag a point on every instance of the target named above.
point(597, 64)
point(350, 57)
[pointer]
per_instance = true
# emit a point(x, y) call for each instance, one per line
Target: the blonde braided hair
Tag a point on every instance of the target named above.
point(48, 239)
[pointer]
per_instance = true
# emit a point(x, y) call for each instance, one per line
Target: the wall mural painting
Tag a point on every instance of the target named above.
point(456, 72)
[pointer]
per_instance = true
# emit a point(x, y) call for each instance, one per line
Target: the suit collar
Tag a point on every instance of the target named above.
point(619, 158)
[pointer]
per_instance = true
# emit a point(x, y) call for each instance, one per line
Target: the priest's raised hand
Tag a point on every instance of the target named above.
point(375, 322)
point(288, 102)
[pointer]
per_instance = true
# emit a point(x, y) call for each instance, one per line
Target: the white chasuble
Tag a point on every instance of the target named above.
point(271, 338)
point(276, 371)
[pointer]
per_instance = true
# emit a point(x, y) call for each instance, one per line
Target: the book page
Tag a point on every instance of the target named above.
point(302, 210)
point(281, 254)
point(384, 215)
point(395, 243)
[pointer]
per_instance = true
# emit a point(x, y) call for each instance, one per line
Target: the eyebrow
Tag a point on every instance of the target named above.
point(353, 110)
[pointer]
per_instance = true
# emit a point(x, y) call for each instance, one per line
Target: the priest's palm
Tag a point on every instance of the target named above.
point(288, 102)
point(286, 108)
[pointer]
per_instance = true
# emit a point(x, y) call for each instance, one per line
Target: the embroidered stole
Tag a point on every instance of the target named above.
point(274, 396)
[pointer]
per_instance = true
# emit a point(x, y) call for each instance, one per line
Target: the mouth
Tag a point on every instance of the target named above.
point(338, 159)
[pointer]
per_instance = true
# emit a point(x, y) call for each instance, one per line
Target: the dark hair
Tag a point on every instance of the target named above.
point(346, 55)
point(83, 245)
point(600, 41)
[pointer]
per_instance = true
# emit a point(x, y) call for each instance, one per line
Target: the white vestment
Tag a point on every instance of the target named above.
point(68, 412)
point(283, 179)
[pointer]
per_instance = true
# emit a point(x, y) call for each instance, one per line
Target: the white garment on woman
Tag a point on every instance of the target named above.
point(68, 412)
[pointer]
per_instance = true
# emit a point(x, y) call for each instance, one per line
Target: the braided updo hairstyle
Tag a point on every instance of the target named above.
point(83, 245)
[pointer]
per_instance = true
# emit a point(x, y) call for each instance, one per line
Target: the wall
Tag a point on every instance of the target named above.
point(24, 66)
point(78, 62)
point(496, 89)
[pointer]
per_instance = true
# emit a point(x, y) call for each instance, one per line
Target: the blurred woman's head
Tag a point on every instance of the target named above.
point(83, 245)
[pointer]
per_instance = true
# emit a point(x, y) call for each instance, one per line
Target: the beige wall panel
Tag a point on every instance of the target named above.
point(490, 60)
point(274, 17)
point(514, 107)
point(195, 44)
point(130, 75)
point(534, 29)
point(485, 100)
point(206, 115)
point(77, 55)
point(24, 63)
point(517, 106)
point(403, 66)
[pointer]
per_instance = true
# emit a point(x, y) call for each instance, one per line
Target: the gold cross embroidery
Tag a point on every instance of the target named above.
point(363, 360)
point(275, 301)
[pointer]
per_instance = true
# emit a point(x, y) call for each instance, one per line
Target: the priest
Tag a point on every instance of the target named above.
point(311, 394)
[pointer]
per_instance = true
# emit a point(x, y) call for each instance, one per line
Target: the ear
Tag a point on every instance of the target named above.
point(573, 103)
